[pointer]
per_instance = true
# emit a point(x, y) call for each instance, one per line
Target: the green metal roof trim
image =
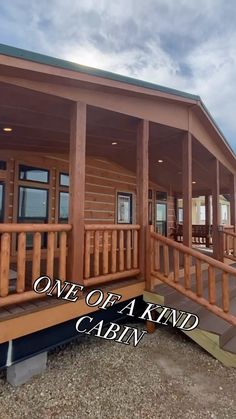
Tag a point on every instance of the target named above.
point(68, 65)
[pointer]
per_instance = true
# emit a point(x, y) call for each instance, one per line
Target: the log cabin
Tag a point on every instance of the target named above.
point(92, 166)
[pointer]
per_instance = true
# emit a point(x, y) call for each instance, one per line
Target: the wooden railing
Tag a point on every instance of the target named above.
point(228, 242)
point(28, 264)
point(201, 234)
point(204, 280)
point(111, 252)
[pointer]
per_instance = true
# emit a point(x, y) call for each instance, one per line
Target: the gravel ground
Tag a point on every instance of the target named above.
point(165, 376)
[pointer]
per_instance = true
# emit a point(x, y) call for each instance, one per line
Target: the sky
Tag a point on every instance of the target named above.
point(189, 45)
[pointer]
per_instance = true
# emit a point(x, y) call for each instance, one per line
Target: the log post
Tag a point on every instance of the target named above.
point(233, 201)
point(207, 219)
point(216, 210)
point(142, 177)
point(187, 189)
point(75, 257)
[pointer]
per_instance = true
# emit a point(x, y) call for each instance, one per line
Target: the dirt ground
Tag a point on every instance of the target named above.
point(165, 376)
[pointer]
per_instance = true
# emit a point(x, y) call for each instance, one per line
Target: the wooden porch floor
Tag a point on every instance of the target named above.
point(21, 319)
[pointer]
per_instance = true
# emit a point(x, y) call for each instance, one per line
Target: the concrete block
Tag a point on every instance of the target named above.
point(23, 371)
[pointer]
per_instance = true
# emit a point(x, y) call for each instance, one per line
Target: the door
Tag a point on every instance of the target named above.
point(161, 218)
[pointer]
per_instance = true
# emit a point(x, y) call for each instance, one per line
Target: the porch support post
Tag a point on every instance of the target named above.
point(142, 177)
point(233, 200)
point(187, 189)
point(207, 219)
point(77, 192)
point(216, 210)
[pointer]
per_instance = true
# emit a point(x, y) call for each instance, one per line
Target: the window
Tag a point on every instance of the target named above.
point(33, 208)
point(202, 213)
point(33, 174)
point(63, 206)
point(161, 196)
point(224, 214)
point(3, 165)
point(1, 202)
point(64, 179)
point(124, 208)
point(180, 215)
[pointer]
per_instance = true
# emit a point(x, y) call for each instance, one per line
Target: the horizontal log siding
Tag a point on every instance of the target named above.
point(103, 180)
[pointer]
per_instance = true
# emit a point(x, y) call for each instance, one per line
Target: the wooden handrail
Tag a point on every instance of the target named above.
point(95, 227)
point(19, 289)
point(229, 233)
point(184, 249)
point(31, 228)
point(215, 296)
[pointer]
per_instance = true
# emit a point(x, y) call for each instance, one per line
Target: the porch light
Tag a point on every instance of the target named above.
point(114, 143)
point(7, 129)
point(159, 161)
point(193, 182)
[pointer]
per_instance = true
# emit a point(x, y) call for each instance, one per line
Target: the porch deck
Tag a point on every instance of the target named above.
point(31, 316)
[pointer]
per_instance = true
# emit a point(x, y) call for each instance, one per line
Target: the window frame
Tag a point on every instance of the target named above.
point(33, 180)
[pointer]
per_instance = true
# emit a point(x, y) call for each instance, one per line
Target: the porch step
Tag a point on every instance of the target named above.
point(214, 334)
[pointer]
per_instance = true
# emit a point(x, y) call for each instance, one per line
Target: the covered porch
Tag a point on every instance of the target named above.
point(83, 177)
point(104, 177)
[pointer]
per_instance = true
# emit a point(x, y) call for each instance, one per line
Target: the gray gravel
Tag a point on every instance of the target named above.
point(165, 376)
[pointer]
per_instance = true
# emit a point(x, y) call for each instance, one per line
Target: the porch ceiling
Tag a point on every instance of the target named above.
point(41, 123)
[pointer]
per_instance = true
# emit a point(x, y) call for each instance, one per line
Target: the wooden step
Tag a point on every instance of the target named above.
point(213, 334)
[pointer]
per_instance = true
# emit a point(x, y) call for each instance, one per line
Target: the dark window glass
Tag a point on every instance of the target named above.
point(1, 202)
point(63, 206)
point(149, 193)
point(33, 208)
point(161, 196)
point(33, 204)
point(64, 179)
point(34, 174)
point(3, 165)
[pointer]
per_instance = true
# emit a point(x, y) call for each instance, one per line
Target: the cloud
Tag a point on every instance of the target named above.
point(185, 45)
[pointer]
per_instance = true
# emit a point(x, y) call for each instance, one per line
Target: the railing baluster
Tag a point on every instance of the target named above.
point(121, 250)
point(87, 253)
point(96, 253)
point(211, 285)
point(234, 247)
point(135, 249)
point(176, 264)
point(166, 260)
point(187, 278)
point(225, 292)
point(105, 253)
point(113, 250)
point(198, 272)
point(36, 256)
point(227, 244)
point(62, 255)
point(4, 264)
point(156, 255)
point(21, 254)
point(50, 254)
point(128, 250)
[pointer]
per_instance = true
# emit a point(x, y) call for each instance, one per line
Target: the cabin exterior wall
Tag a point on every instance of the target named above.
point(103, 180)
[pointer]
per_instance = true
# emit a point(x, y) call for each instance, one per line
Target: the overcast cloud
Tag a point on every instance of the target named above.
point(186, 44)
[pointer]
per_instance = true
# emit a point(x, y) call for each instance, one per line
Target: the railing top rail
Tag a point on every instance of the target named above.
point(27, 228)
point(185, 249)
point(92, 227)
point(229, 233)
